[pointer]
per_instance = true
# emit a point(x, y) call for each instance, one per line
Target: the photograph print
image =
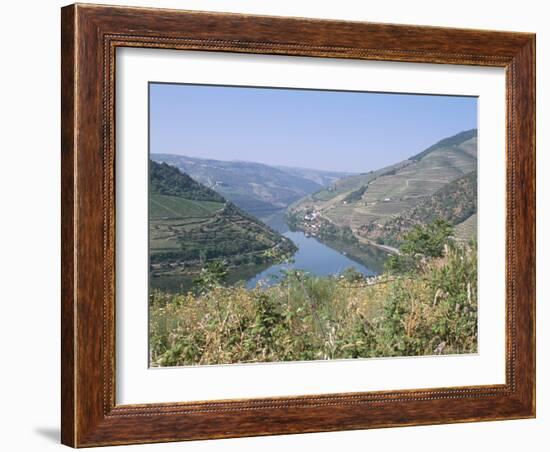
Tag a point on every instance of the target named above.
point(302, 225)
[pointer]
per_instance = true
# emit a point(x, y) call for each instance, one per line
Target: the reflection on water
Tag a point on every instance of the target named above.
point(321, 259)
point(313, 257)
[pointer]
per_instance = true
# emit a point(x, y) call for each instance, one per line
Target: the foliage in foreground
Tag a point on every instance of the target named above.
point(429, 309)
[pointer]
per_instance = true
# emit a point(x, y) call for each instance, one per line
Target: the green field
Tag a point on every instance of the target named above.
point(170, 217)
point(165, 206)
point(455, 202)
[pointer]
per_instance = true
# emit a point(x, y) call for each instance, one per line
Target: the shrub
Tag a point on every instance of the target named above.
point(213, 274)
point(427, 240)
point(422, 242)
point(428, 311)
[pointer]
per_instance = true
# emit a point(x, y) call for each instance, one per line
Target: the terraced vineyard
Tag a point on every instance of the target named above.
point(455, 202)
point(378, 197)
point(467, 229)
point(172, 216)
point(197, 225)
point(165, 206)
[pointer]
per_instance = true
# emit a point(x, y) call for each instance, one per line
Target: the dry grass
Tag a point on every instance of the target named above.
point(309, 318)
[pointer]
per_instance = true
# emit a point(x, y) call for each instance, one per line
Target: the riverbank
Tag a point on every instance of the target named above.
point(314, 255)
point(323, 228)
point(386, 248)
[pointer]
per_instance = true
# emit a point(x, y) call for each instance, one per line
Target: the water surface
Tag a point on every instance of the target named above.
point(313, 257)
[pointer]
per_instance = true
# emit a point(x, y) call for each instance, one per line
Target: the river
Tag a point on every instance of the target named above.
point(313, 256)
point(316, 257)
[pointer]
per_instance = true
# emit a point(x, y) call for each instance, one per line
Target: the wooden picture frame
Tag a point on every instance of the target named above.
point(90, 36)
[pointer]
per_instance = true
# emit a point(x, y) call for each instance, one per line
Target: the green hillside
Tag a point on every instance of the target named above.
point(254, 187)
point(168, 180)
point(455, 140)
point(190, 225)
point(365, 203)
point(346, 185)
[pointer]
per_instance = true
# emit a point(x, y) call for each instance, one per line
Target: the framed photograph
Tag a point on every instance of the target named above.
point(281, 225)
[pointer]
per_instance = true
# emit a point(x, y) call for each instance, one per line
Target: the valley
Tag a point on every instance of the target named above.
point(265, 220)
point(254, 187)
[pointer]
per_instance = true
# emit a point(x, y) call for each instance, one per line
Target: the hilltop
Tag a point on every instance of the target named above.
point(168, 180)
point(190, 225)
point(380, 206)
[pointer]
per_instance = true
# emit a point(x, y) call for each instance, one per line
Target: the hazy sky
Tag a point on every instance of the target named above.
point(330, 130)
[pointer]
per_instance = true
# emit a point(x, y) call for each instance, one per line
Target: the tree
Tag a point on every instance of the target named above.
point(427, 240)
point(421, 242)
point(213, 274)
point(352, 275)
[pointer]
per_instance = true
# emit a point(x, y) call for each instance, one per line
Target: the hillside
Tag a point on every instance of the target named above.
point(455, 203)
point(190, 224)
point(254, 187)
point(168, 180)
point(365, 203)
point(320, 177)
point(467, 230)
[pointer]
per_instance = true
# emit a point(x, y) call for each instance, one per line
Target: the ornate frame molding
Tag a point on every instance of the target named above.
point(90, 36)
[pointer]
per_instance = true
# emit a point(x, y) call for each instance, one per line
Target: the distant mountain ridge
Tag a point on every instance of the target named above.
point(254, 187)
point(322, 178)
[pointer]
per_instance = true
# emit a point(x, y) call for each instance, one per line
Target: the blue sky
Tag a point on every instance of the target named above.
point(327, 130)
